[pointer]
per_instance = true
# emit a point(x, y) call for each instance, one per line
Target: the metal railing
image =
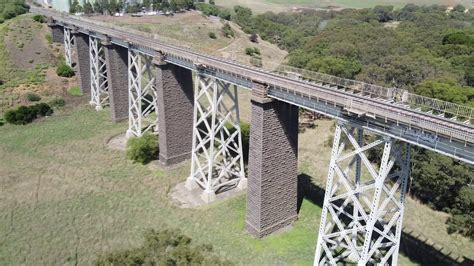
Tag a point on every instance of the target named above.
point(429, 106)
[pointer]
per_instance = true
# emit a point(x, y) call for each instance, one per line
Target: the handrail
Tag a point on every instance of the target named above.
point(458, 112)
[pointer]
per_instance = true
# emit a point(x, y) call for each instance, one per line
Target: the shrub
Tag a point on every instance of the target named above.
point(75, 91)
point(252, 51)
point(21, 116)
point(26, 114)
point(42, 109)
point(33, 97)
point(254, 38)
point(39, 18)
point(227, 31)
point(256, 61)
point(165, 247)
point(143, 149)
point(462, 224)
point(57, 102)
point(212, 35)
point(49, 38)
point(2, 122)
point(245, 133)
point(64, 70)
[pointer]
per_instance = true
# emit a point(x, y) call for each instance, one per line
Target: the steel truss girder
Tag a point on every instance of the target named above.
point(143, 95)
point(363, 206)
point(69, 40)
point(99, 82)
point(217, 157)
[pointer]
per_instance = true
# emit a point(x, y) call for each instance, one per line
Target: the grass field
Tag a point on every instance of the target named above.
point(261, 6)
point(65, 199)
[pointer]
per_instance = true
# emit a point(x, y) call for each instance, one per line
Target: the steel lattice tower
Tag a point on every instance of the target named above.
point(363, 205)
point(142, 95)
point(99, 82)
point(217, 157)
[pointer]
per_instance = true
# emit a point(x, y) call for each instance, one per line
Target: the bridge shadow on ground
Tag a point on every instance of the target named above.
point(416, 247)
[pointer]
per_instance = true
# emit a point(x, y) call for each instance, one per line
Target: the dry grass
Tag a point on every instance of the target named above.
point(65, 199)
point(192, 28)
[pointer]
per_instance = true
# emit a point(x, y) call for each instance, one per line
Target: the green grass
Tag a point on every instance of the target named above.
point(66, 198)
point(11, 75)
point(75, 91)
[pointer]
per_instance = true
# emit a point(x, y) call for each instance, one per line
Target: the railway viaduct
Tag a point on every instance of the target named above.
point(190, 99)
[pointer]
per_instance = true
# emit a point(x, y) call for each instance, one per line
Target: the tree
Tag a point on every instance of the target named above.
point(446, 90)
point(98, 7)
point(75, 7)
point(88, 8)
point(458, 38)
point(384, 13)
point(243, 17)
point(335, 66)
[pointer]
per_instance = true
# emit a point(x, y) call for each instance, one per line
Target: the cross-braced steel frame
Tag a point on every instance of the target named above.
point(99, 83)
point(363, 205)
point(217, 158)
point(68, 46)
point(143, 110)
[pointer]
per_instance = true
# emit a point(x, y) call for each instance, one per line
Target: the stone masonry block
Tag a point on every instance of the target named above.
point(272, 182)
point(84, 62)
point(57, 33)
point(175, 113)
point(117, 77)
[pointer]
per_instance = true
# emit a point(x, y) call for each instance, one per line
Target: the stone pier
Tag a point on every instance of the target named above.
point(116, 58)
point(57, 32)
point(84, 62)
point(273, 156)
point(175, 112)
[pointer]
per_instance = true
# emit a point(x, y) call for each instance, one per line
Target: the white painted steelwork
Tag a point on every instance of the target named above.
point(142, 95)
point(99, 83)
point(363, 206)
point(217, 157)
point(69, 40)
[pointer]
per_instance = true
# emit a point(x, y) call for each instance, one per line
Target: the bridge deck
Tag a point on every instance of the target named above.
point(405, 119)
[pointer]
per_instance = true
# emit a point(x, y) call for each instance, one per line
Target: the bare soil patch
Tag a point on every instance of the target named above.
point(118, 143)
point(27, 46)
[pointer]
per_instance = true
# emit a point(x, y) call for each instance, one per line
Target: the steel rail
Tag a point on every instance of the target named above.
point(346, 100)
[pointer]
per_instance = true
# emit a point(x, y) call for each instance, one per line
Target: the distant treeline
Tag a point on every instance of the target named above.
point(12, 8)
point(116, 6)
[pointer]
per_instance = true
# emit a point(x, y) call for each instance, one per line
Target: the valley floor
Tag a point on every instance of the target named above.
point(65, 198)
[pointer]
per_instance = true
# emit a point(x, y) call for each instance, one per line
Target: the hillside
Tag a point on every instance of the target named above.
point(27, 62)
point(262, 6)
point(192, 29)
